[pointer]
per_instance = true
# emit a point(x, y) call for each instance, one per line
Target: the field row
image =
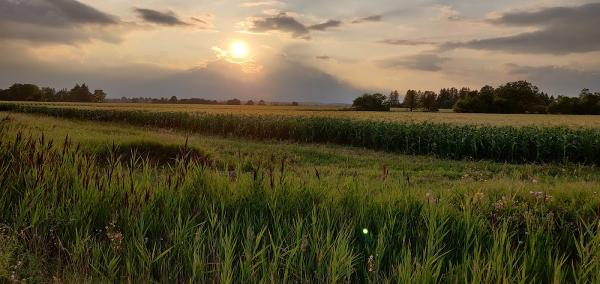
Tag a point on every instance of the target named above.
point(400, 115)
point(498, 143)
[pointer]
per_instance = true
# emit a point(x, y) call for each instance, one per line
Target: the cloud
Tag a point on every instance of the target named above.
point(405, 42)
point(326, 25)
point(558, 80)
point(54, 13)
point(374, 18)
point(287, 23)
point(323, 57)
point(167, 18)
point(421, 62)
point(560, 30)
point(260, 4)
point(282, 22)
point(56, 21)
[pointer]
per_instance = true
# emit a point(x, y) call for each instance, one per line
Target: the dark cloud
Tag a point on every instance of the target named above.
point(285, 22)
point(323, 57)
point(54, 13)
point(374, 18)
point(166, 18)
point(325, 25)
point(560, 30)
point(557, 80)
point(422, 62)
point(55, 21)
point(405, 42)
point(282, 22)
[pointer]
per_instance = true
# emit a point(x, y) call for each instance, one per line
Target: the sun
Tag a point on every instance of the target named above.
point(239, 50)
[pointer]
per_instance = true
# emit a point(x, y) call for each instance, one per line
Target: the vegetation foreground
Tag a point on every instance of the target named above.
point(78, 210)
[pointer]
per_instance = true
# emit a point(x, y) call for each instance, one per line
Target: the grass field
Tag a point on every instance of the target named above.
point(112, 201)
point(396, 115)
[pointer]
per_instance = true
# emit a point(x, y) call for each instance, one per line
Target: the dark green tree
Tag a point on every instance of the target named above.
point(410, 99)
point(374, 102)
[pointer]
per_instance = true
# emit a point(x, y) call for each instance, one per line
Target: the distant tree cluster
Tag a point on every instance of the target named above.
point(31, 92)
point(371, 102)
point(512, 97)
point(200, 101)
point(523, 97)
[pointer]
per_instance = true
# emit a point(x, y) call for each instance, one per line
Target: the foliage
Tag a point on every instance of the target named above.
point(499, 143)
point(233, 102)
point(30, 92)
point(374, 102)
point(72, 216)
point(410, 100)
point(586, 103)
point(523, 97)
point(394, 99)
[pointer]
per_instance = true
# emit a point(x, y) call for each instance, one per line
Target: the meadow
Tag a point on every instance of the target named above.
point(119, 194)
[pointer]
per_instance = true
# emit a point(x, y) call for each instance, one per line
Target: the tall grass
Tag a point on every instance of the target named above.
point(498, 143)
point(70, 215)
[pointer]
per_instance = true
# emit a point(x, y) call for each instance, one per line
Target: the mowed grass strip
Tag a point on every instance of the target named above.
point(498, 143)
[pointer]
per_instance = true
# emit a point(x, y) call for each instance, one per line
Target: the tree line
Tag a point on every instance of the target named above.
point(512, 97)
point(31, 92)
point(175, 100)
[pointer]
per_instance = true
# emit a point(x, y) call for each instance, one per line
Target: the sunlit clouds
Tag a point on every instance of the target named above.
point(333, 47)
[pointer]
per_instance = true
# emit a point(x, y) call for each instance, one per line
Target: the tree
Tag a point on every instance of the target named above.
point(394, 99)
point(374, 102)
point(410, 100)
point(47, 94)
point(173, 100)
point(99, 96)
point(233, 102)
point(79, 93)
point(427, 100)
point(447, 98)
point(22, 92)
point(477, 102)
point(295, 104)
point(261, 102)
point(250, 103)
point(520, 97)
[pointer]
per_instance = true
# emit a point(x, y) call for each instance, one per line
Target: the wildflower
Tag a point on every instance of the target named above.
point(114, 235)
point(371, 263)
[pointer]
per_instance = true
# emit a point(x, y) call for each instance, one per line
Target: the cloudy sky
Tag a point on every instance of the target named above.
point(301, 50)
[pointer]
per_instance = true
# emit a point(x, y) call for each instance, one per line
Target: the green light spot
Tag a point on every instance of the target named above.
point(365, 231)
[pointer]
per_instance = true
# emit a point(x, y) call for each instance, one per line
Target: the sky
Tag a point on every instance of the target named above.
point(298, 50)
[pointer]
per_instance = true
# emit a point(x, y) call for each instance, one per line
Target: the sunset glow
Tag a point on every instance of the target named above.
point(239, 50)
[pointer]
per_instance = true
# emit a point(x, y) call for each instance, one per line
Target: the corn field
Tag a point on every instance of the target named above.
point(528, 144)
